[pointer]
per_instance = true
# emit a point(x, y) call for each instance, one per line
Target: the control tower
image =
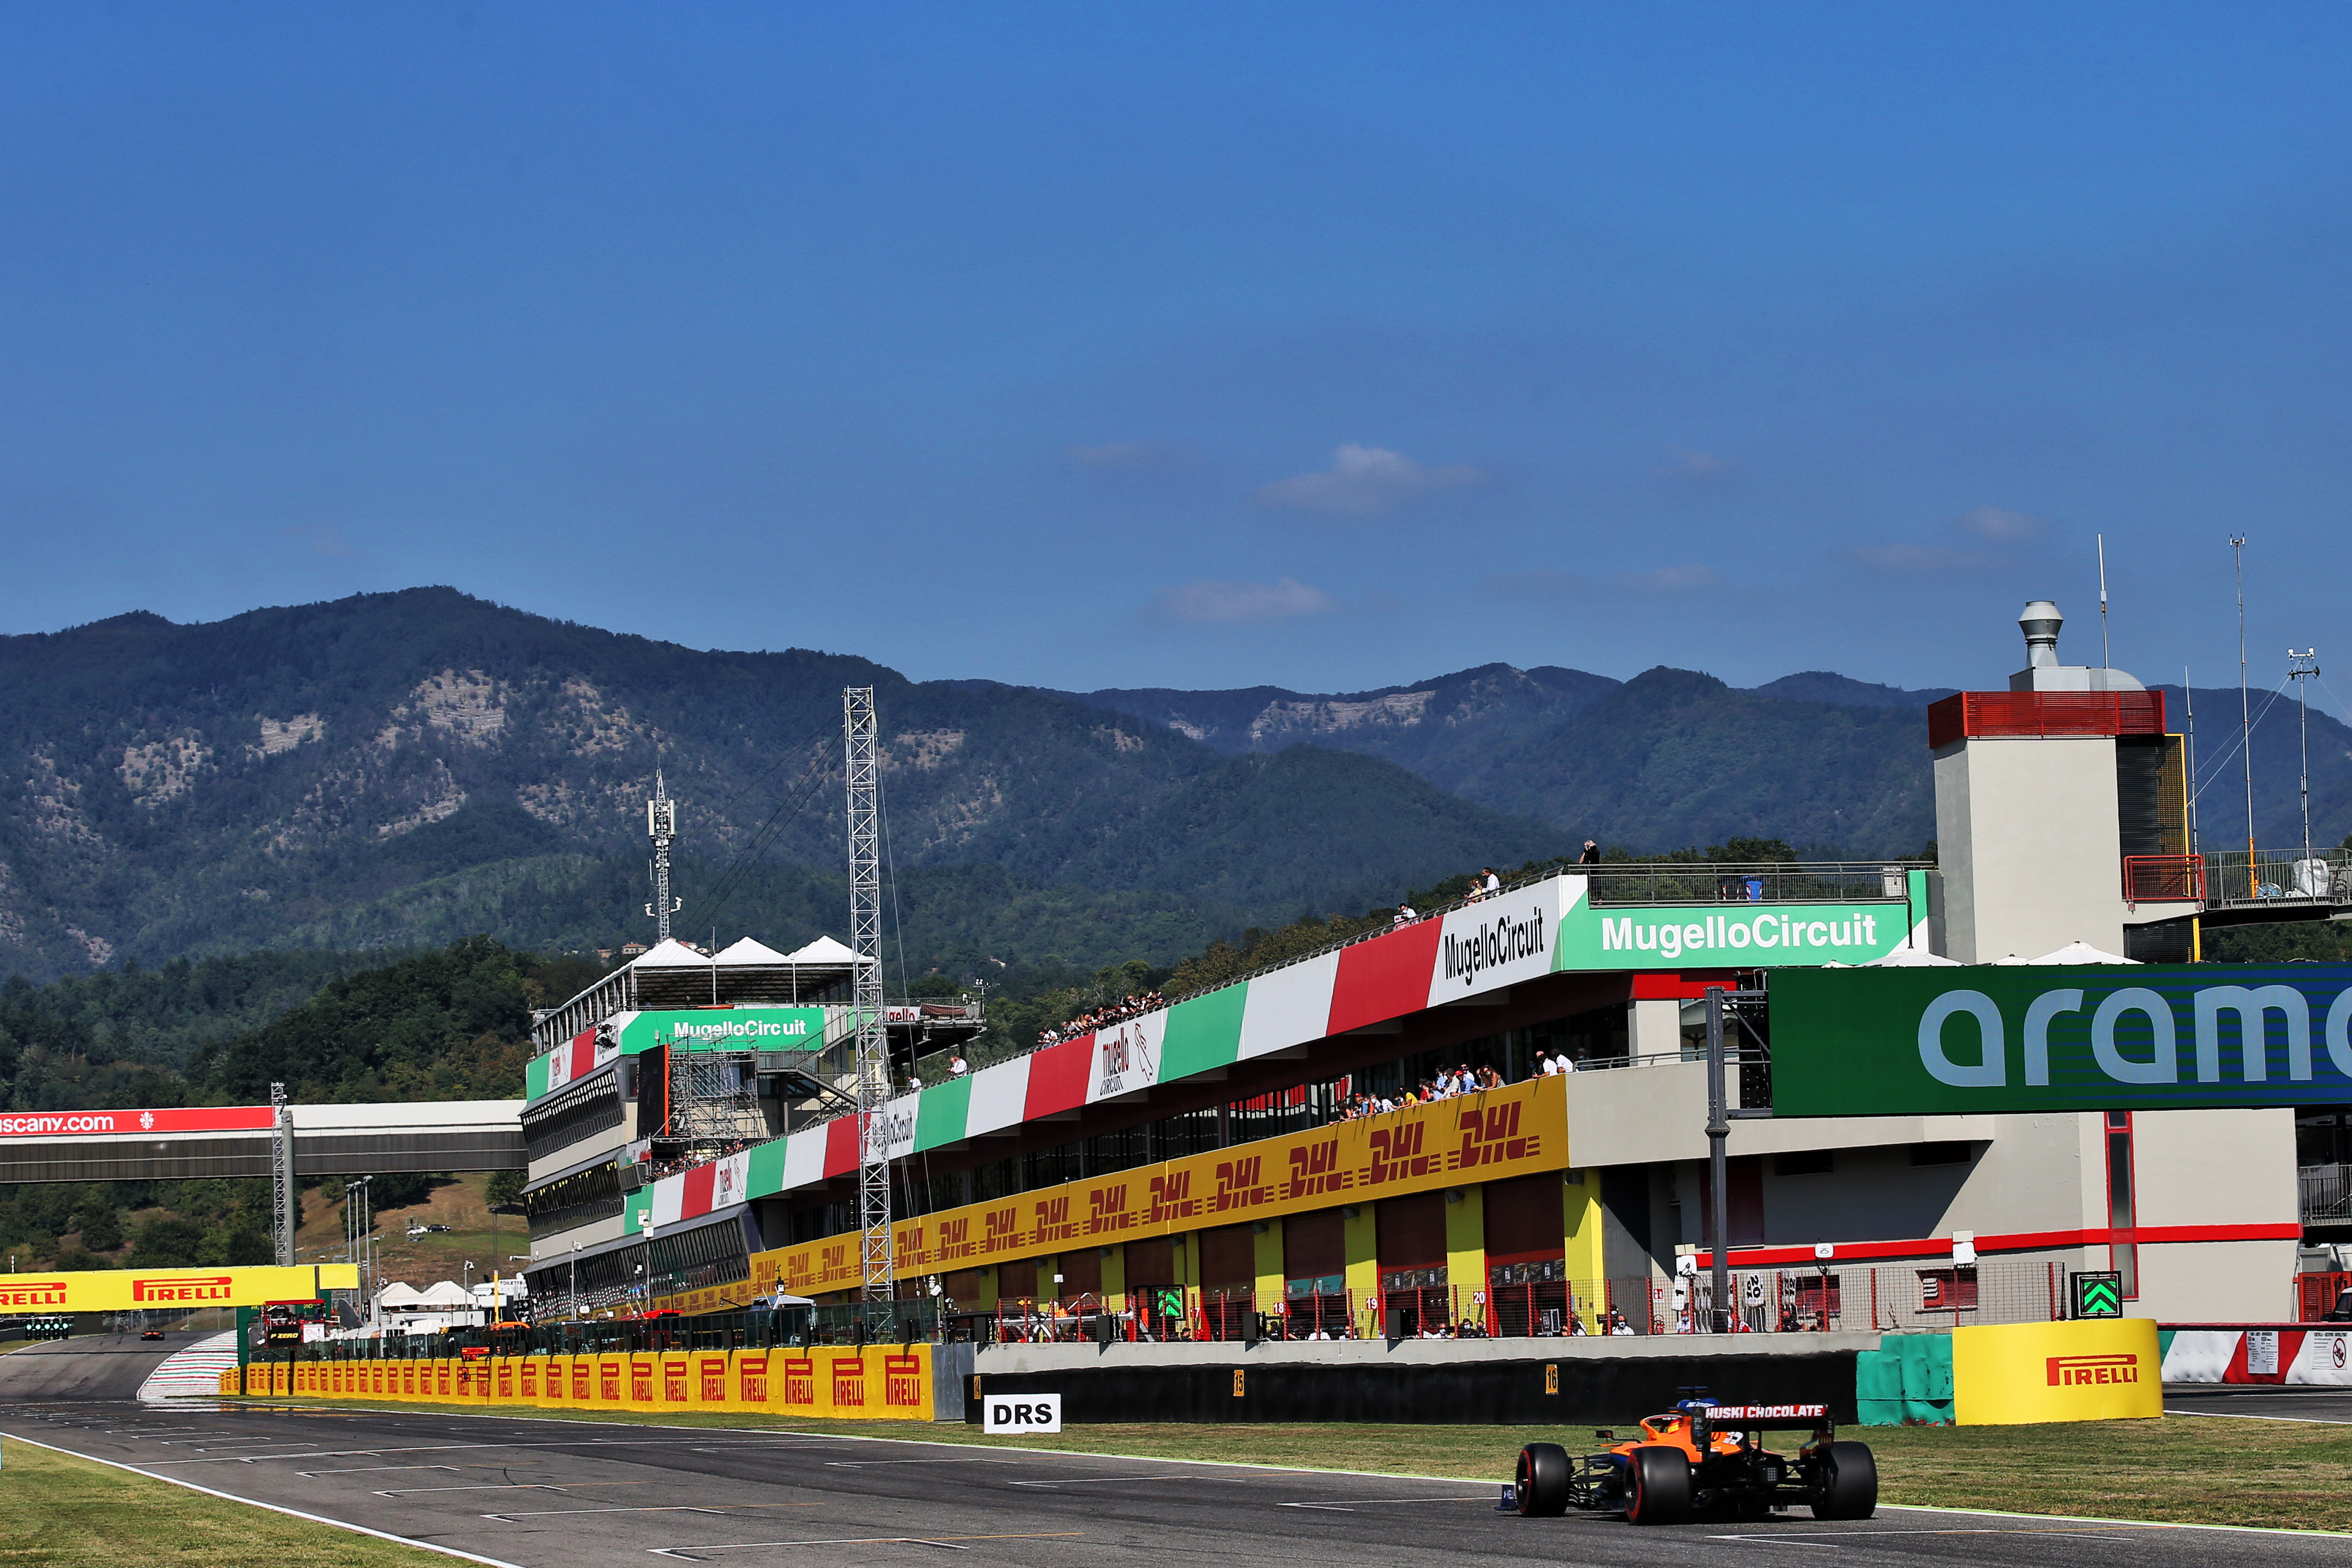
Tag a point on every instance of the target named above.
point(2061, 814)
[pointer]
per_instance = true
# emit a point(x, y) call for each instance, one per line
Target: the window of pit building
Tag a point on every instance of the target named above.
point(2123, 1248)
point(1804, 1163)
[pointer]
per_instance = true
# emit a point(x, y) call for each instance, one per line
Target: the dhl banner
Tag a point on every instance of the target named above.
point(845, 1383)
point(2097, 1369)
point(170, 1289)
point(1502, 1133)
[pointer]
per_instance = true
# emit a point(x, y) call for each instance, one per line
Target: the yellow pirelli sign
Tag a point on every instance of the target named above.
point(170, 1289)
point(2097, 1369)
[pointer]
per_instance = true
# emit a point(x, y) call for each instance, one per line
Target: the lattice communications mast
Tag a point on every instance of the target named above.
point(661, 826)
point(862, 764)
point(282, 1214)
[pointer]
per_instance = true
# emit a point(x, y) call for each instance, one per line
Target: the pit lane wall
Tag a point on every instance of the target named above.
point(838, 1382)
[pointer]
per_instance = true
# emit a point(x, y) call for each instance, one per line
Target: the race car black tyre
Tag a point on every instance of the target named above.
point(1542, 1485)
point(1850, 1483)
point(1658, 1486)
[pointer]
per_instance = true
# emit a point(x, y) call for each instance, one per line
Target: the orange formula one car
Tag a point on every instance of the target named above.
point(1703, 1460)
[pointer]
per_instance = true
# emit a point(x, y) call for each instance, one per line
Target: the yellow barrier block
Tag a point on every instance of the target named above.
point(676, 1385)
point(2006, 1374)
point(711, 1381)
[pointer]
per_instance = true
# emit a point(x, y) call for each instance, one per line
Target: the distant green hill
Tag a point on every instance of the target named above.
point(401, 771)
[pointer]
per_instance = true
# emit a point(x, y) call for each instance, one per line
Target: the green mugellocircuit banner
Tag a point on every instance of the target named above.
point(1913, 1042)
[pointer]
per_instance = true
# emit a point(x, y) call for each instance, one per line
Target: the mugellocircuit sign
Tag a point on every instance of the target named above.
point(1908, 1042)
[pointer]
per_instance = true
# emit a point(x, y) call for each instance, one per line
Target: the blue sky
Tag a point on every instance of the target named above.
point(1086, 346)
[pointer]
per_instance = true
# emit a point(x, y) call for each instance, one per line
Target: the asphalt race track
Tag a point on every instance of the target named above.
point(2274, 1402)
point(568, 1494)
point(99, 1366)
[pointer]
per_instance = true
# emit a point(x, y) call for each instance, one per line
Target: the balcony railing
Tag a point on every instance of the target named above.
point(1768, 882)
point(2326, 1194)
point(2278, 877)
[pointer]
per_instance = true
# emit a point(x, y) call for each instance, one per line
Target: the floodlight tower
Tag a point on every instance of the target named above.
point(862, 765)
point(661, 826)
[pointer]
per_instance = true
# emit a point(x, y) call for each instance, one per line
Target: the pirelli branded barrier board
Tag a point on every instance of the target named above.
point(171, 1290)
point(2006, 1374)
point(845, 1383)
point(1500, 1133)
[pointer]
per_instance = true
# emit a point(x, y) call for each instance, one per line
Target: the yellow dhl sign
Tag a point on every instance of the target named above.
point(1504, 1132)
point(170, 1289)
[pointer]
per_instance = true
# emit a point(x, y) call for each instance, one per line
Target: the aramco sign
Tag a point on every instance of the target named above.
point(2022, 1037)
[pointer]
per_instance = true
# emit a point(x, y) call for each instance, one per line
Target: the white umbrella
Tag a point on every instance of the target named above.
point(2080, 952)
point(1913, 958)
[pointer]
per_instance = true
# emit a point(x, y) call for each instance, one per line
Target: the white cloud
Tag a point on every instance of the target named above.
point(1689, 578)
point(1541, 587)
point(1996, 523)
point(1555, 586)
point(1237, 604)
point(1364, 481)
point(323, 538)
point(1132, 457)
point(1917, 560)
point(1680, 463)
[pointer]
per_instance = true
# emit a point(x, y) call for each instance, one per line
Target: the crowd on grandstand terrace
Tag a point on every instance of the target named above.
point(1463, 1079)
point(1118, 1012)
point(660, 1168)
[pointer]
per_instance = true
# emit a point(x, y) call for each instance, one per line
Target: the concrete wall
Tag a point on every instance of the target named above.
point(2027, 836)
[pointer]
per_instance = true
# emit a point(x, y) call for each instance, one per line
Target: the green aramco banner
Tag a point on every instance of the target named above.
point(1907, 1042)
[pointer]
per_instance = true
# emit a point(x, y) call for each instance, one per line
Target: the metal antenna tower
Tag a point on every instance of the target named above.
point(661, 826)
point(862, 764)
point(2245, 713)
point(2106, 660)
point(281, 1174)
point(2301, 667)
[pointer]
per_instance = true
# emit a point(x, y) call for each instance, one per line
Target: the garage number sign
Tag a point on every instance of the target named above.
point(1911, 1042)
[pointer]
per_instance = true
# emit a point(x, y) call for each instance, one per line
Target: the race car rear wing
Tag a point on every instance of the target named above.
point(1753, 1414)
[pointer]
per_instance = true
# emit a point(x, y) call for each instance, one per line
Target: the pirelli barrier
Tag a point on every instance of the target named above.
point(2094, 1369)
point(834, 1382)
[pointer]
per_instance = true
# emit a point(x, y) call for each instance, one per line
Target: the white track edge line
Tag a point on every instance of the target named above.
point(1317, 1470)
point(274, 1507)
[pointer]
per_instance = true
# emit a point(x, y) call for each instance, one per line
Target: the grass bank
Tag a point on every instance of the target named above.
point(54, 1507)
point(2187, 1470)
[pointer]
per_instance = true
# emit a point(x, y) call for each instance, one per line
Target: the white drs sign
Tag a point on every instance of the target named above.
point(1010, 1415)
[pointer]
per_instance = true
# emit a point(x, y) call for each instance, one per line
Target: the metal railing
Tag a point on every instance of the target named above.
point(2164, 879)
point(1763, 882)
point(2272, 878)
point(2326, 1194)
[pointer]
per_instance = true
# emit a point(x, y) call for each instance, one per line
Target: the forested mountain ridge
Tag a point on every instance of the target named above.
point(403, 768)
point(399, 771)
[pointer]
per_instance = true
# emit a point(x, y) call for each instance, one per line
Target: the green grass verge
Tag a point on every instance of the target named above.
point(54, 1507)
point(2189, 1469)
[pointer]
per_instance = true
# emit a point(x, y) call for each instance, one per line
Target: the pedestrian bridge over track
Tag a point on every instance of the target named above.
point(176, 1144)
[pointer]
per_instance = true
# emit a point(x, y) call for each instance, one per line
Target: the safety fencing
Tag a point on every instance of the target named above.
point(1881, 1298)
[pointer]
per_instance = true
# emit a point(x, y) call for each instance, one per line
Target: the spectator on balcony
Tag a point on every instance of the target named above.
point(1545, 1066)
point(1406, 914)
point(1592, 855)
point(957, 1065)
point(1492, 886)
